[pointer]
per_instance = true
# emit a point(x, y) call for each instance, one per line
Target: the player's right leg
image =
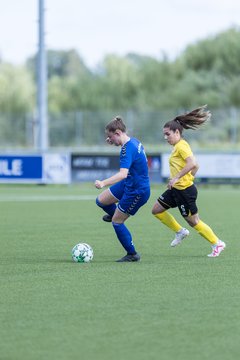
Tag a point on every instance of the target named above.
point(108, 198)
point(107, 202)
point(159, 210)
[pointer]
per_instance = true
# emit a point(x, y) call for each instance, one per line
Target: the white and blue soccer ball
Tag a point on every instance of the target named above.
point(82, 253)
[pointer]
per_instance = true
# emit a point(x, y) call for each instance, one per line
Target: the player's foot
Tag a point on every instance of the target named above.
point(180, 235)
point(129, 258)
point(107, 218)
point(217, 248)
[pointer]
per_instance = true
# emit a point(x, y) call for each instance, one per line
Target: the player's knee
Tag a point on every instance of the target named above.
point(98, 202)
point(192, 222)
point(155, 211)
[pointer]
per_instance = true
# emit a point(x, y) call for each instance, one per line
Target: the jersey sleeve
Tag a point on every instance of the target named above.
point(185, 150)
point(126, 156)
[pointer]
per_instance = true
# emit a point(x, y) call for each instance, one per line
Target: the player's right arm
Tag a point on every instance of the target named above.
point(122, 174)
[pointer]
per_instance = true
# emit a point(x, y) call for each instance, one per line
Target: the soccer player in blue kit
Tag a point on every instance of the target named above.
point(129, 187)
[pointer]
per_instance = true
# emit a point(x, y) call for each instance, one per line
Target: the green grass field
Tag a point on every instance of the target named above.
point(175, 304)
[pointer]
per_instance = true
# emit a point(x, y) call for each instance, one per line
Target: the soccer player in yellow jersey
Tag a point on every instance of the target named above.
point(182, 192)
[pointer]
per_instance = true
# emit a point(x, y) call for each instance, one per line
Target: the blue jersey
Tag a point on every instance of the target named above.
point(133, 158)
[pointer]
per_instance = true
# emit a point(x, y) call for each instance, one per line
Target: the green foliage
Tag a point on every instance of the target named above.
point(233, 91)
point(119, 81)
point(196, 88)
point(62, 63)
point(206, 72)
point(17, 100)
point(16, 89)
point(221, 52)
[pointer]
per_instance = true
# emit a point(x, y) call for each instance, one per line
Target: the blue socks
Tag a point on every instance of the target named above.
point(125, 238)
point(109, 209)
point(122, 232)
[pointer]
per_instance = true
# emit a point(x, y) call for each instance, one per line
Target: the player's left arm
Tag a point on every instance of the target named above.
point(122, 174)
point(195, 169)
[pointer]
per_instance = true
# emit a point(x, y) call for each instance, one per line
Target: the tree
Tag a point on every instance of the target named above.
point(118, 79)
point(62, 63)
point(17, 100)
point(17, 91)
point(221, 52)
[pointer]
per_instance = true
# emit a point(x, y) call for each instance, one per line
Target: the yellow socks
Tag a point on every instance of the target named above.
point(205, 231)
point(168, 220)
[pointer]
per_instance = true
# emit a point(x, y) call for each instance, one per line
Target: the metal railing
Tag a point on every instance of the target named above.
point(86, 129)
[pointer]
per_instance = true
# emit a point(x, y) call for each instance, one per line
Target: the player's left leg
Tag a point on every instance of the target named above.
point(207, 233)
point(124, 236)
point(187, 205)
point(128, 205)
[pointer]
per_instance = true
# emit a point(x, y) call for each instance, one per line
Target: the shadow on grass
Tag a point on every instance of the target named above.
point(145, 259)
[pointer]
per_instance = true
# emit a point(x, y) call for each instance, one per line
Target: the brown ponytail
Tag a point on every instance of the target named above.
point(191, 120)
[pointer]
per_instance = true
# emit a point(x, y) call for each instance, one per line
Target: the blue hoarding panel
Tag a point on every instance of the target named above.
point(21, 167)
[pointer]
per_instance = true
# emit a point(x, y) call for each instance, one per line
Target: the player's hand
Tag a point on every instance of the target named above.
point(171, 182)
point(108, 141)
point(99, 184)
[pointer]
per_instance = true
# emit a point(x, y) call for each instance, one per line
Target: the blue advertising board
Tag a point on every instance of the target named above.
point(14, 168)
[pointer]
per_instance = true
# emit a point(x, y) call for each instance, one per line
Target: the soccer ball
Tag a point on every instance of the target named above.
point(82, 253)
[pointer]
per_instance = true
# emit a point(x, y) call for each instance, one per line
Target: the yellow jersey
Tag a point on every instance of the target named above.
point(177, 161)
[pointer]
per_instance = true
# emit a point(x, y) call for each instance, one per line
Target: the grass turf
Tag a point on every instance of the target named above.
point(174, 304)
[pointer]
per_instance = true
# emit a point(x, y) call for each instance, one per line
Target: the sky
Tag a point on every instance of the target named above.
point(96, 28)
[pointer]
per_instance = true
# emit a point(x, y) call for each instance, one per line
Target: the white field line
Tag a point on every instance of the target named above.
point(27, 198)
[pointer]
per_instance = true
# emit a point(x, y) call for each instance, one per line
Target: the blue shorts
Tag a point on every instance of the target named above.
point(129, 202)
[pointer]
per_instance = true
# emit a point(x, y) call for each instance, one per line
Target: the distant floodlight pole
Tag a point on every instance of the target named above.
point(42, 118)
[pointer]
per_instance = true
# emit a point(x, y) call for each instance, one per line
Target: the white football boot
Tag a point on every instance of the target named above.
point(217, 248)
point(180, 235)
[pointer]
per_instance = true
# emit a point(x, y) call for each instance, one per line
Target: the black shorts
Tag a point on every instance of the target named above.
point(185, 200)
